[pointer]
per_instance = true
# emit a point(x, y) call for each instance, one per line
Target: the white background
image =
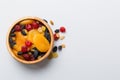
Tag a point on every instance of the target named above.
point(92, 40)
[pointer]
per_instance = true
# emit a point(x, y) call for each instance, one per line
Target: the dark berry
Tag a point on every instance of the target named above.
point(60, 48)
point(47, 35)
point(12, 44)
point(13, 30)
point(10, 40)
point(35, 25)
point(22, 26)
point(57, 31)
point(45, 20)
point(54, 49)
point(28, 43)
point(28, 27)
point(17, 28)
point(32, 58)
point(20, 53)
point(62, 29)
point(24, 49)
point(12, 35)
point(26, 57)
point(23, 32)
point(36, 54)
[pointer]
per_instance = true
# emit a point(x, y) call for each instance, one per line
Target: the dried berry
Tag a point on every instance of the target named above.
point(36, 54)
point(17, 28)
point(35, 25)
point(24, 49)
point(28, 27)
point(28, 43)
point(57, 31)
point(27, 57)
point(20, 53)
point(45, 20)
point(62, 29)
point(54, 49)
point(55, 37)
point(12, 44)
point(60, 47)
point(24, 32)
point(47, 35)
point(12, 35)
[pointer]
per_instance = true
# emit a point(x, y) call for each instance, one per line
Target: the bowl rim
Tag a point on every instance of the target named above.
point(46, 54)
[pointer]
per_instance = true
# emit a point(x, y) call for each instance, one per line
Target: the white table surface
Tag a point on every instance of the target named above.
point(92, 40)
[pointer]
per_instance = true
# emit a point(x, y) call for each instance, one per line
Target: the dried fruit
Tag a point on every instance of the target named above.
point(56, 37)
point(62, 29)
point(27, 57)
point(62, 37)
point(43, 28)
point(57, 31)
point(19, 53)
point(54, 55)
point(63, 45)
point(28, 27)
point(24, 49)
point(36, 54)
point(28, 43)
point(60, 47)
point(54, 49)
point(41, 43)
point(28, 21)
point(12, 35)
point(35, 25)
point(17, 28)
point(24, 32)
point(51, 22)
point(45, 20)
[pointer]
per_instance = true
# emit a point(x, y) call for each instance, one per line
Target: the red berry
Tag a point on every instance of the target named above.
point(62, 29)
point(32, 58)
point(35, 25)
point(27, 57)
point(55, 37)
point(28, 43)
point(28, 27)
point(24, 48)
point(17, 28)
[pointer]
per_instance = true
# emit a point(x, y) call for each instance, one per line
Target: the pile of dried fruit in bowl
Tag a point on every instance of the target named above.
point(29, 39)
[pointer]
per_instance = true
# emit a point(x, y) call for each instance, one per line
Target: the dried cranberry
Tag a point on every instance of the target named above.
point(28, 27)
point(35, 25)
point(32, 58)
point(17, 28)
point(28, 43)
point(62, 29)
point(55, 37)
point(27, 57)
point(24, 48)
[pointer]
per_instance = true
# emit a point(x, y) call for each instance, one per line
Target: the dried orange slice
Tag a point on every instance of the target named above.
point(41, 43)
point(29, 21)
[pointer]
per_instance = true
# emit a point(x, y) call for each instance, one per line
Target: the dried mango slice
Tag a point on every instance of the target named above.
point(29, 21)
point(20, 41)
point(32, 33)
point(41, 43)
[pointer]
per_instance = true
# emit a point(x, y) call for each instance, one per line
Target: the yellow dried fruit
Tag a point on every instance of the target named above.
point(28, 21)
point(43, 28)
point(31, 34)
point(41, 43)
point(62, 37)
point(63, 45)
point(51, 22)
point(55, 55)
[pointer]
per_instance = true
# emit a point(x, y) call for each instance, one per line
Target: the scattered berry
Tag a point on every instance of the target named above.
point(60, 47)
point(28, 27)
point(56, 37)
point(54, 49)
point(57, 31)
point(24, 49)
point(28, 43)
point(62, 29)
point(17, 28)
point(51, 22)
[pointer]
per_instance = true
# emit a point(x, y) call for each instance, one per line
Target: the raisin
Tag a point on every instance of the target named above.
point(57, 31)
point(54, 49)
point(45, 20)
point(20, 53)
point(23, 32)
point(12, 35)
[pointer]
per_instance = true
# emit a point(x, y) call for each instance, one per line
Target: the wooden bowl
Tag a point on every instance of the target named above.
point(46, 54)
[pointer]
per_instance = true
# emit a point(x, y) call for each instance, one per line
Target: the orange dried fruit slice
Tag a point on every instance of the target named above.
point(20, 41)
point(27, 21)
point(41, 43)
point(31, 34)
